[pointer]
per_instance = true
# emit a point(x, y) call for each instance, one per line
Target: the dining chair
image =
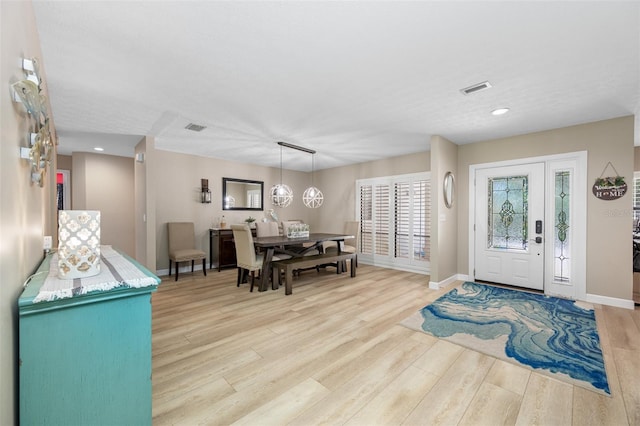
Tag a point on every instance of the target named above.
point(267, 229)
point(246, 257)
point(271, 229)
point(182, 246)
point(349, 245)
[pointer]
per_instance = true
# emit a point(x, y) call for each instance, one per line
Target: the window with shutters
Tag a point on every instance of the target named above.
point(394, 214)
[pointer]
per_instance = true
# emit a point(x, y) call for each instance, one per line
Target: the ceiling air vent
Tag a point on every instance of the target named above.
point(195, 127)
point(476, 88)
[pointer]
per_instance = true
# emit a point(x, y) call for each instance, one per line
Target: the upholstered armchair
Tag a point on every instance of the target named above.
point(182, 246)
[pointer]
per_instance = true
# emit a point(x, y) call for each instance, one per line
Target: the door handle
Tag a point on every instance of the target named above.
point(537, 240)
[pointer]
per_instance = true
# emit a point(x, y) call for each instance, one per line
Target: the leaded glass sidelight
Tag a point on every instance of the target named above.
point(508, 201)
point(562, 227)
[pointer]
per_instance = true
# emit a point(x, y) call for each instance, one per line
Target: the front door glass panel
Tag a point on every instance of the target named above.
point(508, 213)
point(562, 228)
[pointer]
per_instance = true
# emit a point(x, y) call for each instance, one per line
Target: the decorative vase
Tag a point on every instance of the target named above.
point(79, 244)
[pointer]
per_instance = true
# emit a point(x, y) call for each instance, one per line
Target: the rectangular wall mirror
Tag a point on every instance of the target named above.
point(242, 194)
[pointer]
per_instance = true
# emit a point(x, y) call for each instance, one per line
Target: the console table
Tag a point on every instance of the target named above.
point(222, 249)
point(85, 359)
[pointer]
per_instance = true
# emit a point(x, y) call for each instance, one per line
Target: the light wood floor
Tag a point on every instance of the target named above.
point(333, 353)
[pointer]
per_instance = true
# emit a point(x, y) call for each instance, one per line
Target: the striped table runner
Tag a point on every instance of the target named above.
point(115, 271)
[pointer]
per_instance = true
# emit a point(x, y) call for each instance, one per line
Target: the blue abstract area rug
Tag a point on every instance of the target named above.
point(552, 336)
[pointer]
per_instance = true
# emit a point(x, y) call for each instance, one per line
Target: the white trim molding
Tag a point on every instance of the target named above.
point(382, 263)
point(577, 162)
point(447, 282)
point(185, 269)
point(610, 301)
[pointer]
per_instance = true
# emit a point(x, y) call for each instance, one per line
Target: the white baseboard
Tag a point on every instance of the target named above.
point(183, 269)
point(447, 282)
point(610, 301)
point(398, 267)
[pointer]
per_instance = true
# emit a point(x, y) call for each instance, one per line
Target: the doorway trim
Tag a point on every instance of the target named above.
point(578, 289)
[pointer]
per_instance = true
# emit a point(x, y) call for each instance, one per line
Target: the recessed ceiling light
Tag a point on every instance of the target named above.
point(500, 111)
point(99, 149)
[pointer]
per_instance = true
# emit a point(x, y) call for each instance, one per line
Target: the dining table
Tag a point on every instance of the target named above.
point(294, 247)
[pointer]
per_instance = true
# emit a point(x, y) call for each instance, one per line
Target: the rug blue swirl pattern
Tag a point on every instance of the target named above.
point(550, 335)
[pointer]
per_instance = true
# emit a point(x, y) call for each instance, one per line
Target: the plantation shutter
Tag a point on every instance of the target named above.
point(402, 205)
point(422, 220)
point(366, 222)
point(395, 215)
point(381, 217)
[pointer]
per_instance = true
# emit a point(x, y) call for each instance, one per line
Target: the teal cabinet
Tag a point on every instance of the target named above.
point(85, 360)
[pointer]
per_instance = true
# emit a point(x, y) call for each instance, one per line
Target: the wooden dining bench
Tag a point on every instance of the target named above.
point(287, 266)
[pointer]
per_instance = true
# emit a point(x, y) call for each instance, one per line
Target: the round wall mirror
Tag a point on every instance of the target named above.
point(448, 189)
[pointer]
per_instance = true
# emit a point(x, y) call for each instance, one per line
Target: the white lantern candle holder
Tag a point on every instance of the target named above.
point(79, 243)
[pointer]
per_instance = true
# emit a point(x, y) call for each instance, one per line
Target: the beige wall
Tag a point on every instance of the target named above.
point(608, 222)
point(27, 211)
point(177, 181)
point(444, 221)
point(64, 162)
point(338, 185)
point(106, 183)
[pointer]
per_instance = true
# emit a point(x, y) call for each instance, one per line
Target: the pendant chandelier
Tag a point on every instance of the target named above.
point(281, 195)
point(312, 196)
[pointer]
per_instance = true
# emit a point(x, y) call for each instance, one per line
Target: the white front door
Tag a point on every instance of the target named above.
point(509, 227)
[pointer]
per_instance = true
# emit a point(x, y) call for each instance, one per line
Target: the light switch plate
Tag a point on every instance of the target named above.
point(47, 242)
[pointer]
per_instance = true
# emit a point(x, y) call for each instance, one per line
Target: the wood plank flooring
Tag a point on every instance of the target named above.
point(333, 353)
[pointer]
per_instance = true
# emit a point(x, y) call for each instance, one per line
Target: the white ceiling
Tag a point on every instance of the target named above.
point(356, 81)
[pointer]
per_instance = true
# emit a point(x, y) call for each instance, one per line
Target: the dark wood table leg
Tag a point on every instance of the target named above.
point(264, 275)
point(341, 265)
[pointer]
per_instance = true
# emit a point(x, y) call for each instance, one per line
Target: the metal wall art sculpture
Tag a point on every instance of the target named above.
point(29, 92)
